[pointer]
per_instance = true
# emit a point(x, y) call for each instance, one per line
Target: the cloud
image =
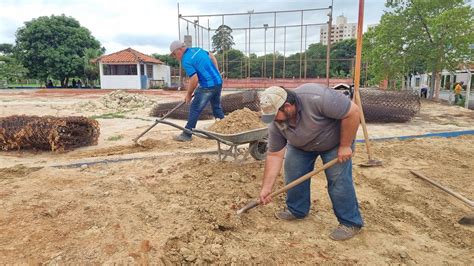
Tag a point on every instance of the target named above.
point(143, 39)
point(152, 25)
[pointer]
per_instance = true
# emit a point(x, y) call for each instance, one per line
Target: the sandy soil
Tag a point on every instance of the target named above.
point(168, 202)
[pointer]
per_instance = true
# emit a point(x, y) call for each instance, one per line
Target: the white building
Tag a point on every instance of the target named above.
point(448, 79)
point(341, 31)
point(130, 69)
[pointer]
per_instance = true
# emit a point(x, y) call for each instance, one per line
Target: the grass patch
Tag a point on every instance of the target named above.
point(115, 138)
point(108, 116)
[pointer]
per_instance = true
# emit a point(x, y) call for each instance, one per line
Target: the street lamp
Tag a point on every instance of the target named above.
point(196, 32)
point(250, 23)
point(265, 26)
point(328, 46)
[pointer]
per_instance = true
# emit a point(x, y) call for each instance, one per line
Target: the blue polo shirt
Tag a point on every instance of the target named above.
point(197, 61)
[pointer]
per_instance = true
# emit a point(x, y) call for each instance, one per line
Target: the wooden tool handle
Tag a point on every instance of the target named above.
point(303, 178)
point(445, 189)
point(296, 182)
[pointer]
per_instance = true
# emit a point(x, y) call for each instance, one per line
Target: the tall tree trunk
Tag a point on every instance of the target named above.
point(437, 84)
point(432, 85)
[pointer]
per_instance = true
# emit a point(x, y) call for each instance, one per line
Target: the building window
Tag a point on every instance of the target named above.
point(149, 71)
point(417, 82)
point(115, 70)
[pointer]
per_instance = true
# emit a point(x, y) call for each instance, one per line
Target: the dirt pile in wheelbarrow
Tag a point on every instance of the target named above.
point(238, 121)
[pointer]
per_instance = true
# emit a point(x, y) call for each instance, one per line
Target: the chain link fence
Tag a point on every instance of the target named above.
point(379, 105)
point(389, 106)
point(47, 133)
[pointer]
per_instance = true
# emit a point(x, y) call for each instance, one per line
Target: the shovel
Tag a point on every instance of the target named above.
point(296, 182)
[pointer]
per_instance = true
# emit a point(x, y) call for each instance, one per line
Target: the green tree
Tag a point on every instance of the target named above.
point(91, 68)
point(383, 48)
point(11, 70)
point(222, 39)
point(236, 63)
point(54, 47)
point(167, 59)
point(316, 56)
point(417, 32)
point(344, 51)
point(6, 48)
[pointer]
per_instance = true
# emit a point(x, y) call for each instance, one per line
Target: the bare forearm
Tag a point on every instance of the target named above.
point(214, 60)
point(193, 82)
point(273, 165)
point(349, 126)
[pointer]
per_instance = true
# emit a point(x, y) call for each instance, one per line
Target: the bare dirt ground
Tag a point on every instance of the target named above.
point(168, 202)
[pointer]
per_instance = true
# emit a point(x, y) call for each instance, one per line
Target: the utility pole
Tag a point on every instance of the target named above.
point(250, 26)
point(468, 90)
point(265, 26)
point(274, 41)
point(328, 47)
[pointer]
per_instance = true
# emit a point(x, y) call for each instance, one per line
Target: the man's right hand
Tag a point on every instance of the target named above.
point(188, 98)
point(264, 196)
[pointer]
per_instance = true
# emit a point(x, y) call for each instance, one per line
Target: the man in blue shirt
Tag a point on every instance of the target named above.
point(201, 67)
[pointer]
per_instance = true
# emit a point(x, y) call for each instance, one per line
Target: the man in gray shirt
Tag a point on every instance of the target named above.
point(308, 122)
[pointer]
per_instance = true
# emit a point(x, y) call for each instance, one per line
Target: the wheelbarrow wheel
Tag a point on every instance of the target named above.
point(258, 149)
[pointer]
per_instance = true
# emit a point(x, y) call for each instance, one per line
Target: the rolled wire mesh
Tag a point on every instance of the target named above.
point(47, 133)
point(379, 105)
point(229, 104)
point(389, 106)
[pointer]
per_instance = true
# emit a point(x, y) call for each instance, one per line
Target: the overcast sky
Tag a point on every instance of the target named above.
point(150, 25)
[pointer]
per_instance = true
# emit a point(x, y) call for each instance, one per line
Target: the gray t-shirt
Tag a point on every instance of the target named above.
point(319, 114)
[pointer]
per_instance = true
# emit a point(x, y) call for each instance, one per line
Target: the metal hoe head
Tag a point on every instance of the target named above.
point(371, 163)
point(467, 220)
point(249, 206)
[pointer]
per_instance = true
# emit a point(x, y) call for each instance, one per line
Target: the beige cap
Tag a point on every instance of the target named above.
point(271, 100)
point(176, 45)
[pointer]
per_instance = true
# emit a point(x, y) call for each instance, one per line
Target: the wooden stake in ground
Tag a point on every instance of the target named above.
point(360, 23)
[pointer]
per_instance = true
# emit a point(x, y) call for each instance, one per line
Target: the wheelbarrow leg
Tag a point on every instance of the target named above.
point(219, 150)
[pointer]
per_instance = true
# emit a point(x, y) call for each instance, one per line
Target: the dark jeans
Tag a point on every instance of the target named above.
point(424, 92)
point(201, 97)
point(457, 97)
point(340, 186)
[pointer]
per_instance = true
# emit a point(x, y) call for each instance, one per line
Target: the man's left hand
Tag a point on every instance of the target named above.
point(344, 153)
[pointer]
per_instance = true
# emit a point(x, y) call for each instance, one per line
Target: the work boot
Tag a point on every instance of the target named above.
point(183, 137)
point(286, 215)
point(343, 232)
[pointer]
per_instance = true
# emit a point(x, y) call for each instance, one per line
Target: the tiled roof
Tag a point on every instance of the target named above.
point(127, 56)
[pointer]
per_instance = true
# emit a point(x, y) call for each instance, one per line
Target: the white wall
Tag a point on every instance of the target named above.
point(119, 81)
point(162, 72)
point(460, 76)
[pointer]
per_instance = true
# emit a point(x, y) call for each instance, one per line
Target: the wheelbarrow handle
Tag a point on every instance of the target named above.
point(197, 132)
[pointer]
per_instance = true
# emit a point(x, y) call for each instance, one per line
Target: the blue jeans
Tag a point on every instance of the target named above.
point(340, 186)
point(201, 97)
